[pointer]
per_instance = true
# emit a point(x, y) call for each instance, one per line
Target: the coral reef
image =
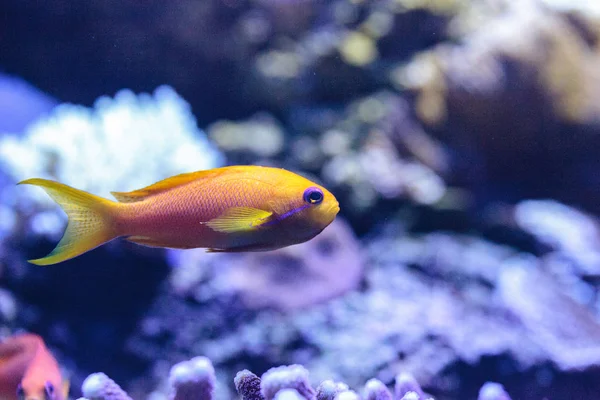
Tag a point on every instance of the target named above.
point(329, 389)
point(122, 143)
point(371, 153)
point(487, 95)
point(98, 386)
point(192, 379)
point(284, 382)
point(460, 138)
point(260, 136)
point(383, 155)
point(516, 99)
point(254, 54)
point(492, 391)
point(416, 288)
point(286, 377)
point(376, 390)
point(287, 279)
point(247, 385)
point(490, 80)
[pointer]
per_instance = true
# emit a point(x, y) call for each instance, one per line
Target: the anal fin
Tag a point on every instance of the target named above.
point(243, 249)
point(150, 242)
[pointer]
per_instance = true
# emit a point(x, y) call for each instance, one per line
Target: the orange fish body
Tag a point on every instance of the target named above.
point(238, 208)
point(28, 371)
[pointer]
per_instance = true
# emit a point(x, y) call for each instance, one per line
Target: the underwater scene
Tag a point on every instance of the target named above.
point(300, 199)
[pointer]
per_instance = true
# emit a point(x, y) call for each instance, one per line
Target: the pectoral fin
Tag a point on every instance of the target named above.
point(239, 219)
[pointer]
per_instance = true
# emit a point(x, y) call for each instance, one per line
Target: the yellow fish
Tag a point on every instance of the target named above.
point(237, 208)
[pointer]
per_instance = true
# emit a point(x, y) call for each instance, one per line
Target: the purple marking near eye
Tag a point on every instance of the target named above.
point(287, 214)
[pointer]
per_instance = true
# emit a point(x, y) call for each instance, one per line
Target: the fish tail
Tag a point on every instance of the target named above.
point(91, 220)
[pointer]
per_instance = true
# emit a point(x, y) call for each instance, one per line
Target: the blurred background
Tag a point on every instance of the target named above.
point(461, 138)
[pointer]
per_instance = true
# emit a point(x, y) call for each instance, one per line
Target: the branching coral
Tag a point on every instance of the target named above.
point(376, 390)
point(247, 385)
point(193, 379)
point(328, 389)
point(490, 88)
point(98, 386)
point(279, 383)
point(405, 384)
point(415, 289)
point(123, 143)
point(493, 391)
point(284, 377)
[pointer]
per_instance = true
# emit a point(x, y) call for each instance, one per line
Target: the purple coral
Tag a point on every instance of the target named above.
point(347, 395)
point(195, 380)
point(492, 391)
point(329, 389)
point(411, 396)
point(192, 380)
point(288, 394)
point(99, 386)
point(406, 383)
point(376, 390)
point(247, 385)
point(328, 266)
point(287, 377)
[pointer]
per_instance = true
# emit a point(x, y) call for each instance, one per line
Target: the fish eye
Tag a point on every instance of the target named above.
point(313, 195)
point(49, 387)
point(20, 392)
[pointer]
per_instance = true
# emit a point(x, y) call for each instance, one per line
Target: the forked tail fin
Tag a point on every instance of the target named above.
point(90, 220)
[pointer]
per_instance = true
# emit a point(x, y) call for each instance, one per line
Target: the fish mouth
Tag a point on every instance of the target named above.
point(334, 208)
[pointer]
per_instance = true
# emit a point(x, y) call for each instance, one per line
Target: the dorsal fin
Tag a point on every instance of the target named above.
point(168, 183)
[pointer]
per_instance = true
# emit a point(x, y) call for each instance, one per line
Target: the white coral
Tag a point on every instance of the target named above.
point(122, 143)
